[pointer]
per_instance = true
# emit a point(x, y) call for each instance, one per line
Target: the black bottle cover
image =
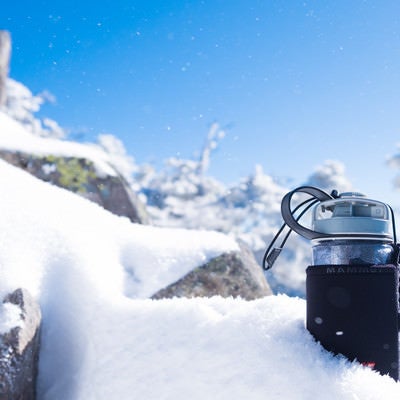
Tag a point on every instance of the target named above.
point(354, 310)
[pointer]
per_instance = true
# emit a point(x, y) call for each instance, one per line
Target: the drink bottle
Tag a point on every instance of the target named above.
point(352, 285)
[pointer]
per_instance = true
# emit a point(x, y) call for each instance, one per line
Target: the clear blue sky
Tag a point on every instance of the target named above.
point(294, 82)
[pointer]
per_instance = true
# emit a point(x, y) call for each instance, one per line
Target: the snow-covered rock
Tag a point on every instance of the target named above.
point(19, 346)
point(234, 274)
point(80, 176)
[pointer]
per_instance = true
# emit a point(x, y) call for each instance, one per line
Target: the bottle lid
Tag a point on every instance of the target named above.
point(352, 214)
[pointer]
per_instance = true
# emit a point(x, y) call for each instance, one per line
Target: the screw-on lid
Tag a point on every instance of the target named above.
point(352, 214)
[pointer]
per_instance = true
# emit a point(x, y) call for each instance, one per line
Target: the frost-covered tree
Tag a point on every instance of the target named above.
point(215, 134)
point(22, 106)
point(252, 208)
point(17, 100)
point(181, 191)
point(5, 50)
point(329, 176)
point(182, 195)
point(118, 156)
point(394, 162)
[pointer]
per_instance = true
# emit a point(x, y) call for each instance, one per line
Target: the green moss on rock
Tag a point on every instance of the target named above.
point(74, 173)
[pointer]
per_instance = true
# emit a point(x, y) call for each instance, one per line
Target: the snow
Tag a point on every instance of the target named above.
point(10, 317)
point(220, 349)
point(102, 338)
point(13, 136)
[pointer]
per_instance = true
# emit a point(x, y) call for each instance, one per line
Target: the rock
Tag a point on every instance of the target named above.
point(19, 351)
point(79, 175)
point(235, 274)
point(5, 50)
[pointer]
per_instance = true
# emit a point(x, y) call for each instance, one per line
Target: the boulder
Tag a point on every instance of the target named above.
point(235, 274)
point(19, 350)
point(80, 176)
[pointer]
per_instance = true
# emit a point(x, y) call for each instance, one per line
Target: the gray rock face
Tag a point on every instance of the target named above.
point(79, 176)
point(19, 351)
point(5, 50)
point(235, 274)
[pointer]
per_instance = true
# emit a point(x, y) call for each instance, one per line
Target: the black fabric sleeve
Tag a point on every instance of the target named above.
point(354, 311)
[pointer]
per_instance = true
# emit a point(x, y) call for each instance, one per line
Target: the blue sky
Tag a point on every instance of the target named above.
point(293, 82)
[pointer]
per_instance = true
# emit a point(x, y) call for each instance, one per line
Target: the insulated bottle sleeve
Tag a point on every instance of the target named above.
point(353, 310)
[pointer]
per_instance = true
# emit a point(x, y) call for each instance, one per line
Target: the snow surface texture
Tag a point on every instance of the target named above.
point(101, 339)
point(10, 317)
point(77, 259)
